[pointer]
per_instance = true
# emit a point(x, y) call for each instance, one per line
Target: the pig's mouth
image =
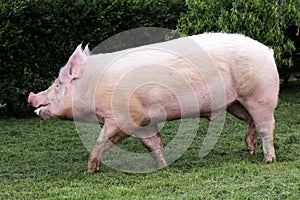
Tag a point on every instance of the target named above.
point(38, 110)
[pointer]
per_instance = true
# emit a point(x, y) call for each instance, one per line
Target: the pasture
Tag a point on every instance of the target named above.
point(45, 159)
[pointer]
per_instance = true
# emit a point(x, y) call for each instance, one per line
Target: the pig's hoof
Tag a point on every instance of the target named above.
point(269, 159)
point(93, 164)
point(162, 164)
point(251, 150)
point(252, 147)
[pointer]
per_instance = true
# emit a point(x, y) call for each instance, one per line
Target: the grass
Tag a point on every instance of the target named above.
point(45, 159)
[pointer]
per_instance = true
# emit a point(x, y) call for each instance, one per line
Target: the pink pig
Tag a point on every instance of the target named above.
point(131, 91)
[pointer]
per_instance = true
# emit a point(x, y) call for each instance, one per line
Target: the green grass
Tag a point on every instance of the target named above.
point(45, 159)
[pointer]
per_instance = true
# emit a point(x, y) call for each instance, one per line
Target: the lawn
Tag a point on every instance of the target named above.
point(45, 159)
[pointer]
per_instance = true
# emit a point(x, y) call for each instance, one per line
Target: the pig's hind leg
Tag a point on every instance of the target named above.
point(151, 139)
point(261, 105)
point(239, 111)
point(263, 117)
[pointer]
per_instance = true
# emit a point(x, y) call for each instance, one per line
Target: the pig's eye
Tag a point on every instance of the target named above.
point(57, 86)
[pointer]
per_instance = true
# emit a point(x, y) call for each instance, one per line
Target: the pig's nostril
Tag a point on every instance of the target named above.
point(29, 97)
point(28, 100)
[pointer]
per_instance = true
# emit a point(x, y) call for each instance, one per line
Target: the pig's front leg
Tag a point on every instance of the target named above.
point(109, 135)
point(152, 141)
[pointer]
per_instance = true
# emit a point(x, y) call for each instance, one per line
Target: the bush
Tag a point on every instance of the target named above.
point(265, 21)
point(37, 37)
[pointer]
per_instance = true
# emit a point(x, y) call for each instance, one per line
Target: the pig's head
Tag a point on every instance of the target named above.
point(56, 101)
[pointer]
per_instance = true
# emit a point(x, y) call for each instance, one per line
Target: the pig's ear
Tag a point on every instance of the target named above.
point(86, 50)
point(72, 70)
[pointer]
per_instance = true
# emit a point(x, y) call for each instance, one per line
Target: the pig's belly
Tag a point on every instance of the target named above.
point(164, 104)
point(159, 112)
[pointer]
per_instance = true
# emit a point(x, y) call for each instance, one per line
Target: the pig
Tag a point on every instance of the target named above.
point(131, 91)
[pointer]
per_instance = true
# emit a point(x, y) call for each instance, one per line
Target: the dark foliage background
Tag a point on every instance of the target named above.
point(274, 23)
point(38, 36)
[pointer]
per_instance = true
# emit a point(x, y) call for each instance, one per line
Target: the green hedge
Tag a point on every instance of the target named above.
point(38, 36)
point(267, 21)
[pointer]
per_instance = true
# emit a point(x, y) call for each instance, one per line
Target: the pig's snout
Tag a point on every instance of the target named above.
point(32, 99)
point(37, 100)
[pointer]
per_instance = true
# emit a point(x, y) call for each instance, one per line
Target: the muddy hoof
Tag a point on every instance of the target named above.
point(251, 152)
point(269, 159)
point(93, 164)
